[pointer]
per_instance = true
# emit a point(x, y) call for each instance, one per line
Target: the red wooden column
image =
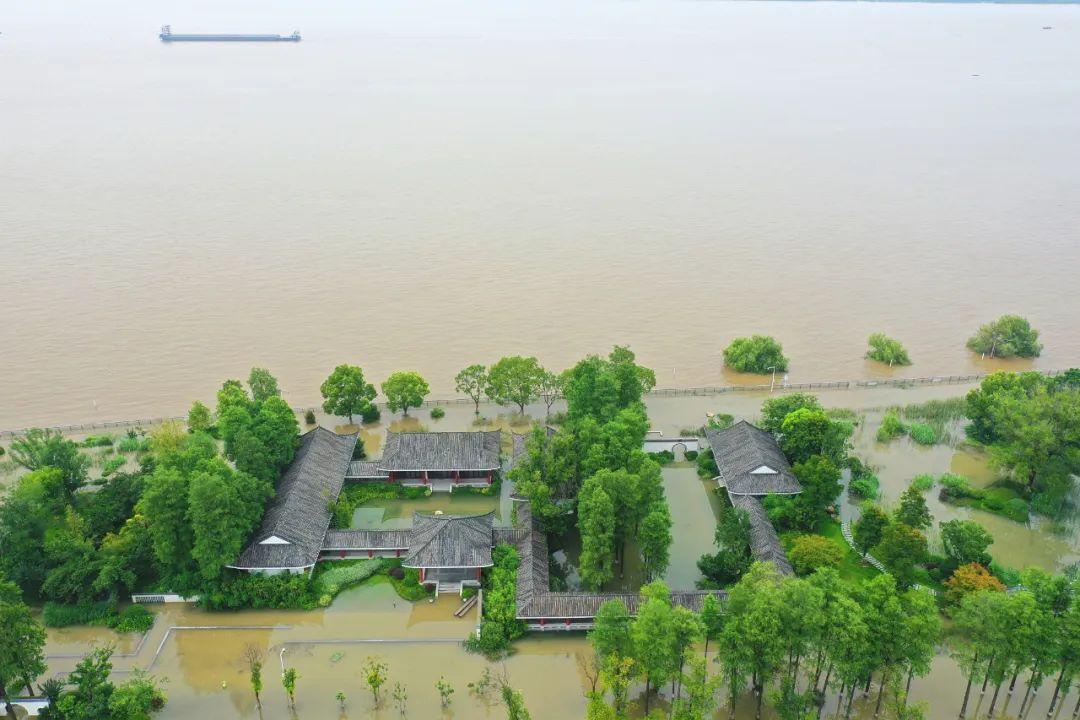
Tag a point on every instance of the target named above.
point(489, 477)
point(425, 477)
point(477, 573)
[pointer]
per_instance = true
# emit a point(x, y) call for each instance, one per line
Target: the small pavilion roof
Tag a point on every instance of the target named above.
point(296, 521)
point(450, 541)
point(750, 461)
point(441, 451)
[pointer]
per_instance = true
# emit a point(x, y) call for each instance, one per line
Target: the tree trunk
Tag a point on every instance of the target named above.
point(824, 689)
point(1027, 694)
point(850, 694)
point(1076, 710)
point(760, 692)
point(866, 688)
point(350, 419)
point(907, 687)
point(818, 662)
point(1057, 689)
point(521, 406)
point(993, 701)
point(8, 707)
point(732, 692)
point(647, 689)
point(986, 678)
point(705, 655)
point(476, 400)
point(880, 693)
point(967, 694)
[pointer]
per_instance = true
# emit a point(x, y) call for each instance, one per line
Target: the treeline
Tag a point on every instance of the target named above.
point(592, 469)
point(797, 642)
point(173, 524)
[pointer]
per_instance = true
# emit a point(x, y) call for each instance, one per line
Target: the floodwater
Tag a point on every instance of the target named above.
point(426, 185)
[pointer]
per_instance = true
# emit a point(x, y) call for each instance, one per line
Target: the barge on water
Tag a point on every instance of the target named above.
point(167, 35)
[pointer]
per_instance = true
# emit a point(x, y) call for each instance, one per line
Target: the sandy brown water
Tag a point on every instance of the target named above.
point(424, 185)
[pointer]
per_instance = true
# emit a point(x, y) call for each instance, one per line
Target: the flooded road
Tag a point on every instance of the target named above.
point(426, 185)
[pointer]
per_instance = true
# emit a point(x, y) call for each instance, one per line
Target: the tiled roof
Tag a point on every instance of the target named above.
point(740, 450)
point(299, 514)
point(441, 451)
point(364, 469)
point(450, 541)
point(764, 543)
point(366, 540)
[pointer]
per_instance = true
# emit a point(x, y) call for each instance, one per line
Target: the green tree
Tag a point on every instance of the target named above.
point(1008, 336)
point(755, 354)
point(91, 688)
point(26, 512)
point(599, 388)
point(550, 389)
point(514, 702)
point(276, 427)
point(288, 681)
point(775, 410)
point(234, 413)
point(22, 644)
point(514, 381)
point(820, 480)
point(137, 699)
point(346, 392)
point(812, 552)
point(806, 433)
point(966, 541)
point(610, 634)
point(885, 619)
point(712, 620)
point(687, 629)
point(224, 506)
point(654, 540)
point(401, 697)
point(263, 385)
point(596, 523)
point(126, 558)
point(446, 691)
point(913, 511)
point(698, 697)
point(885, 349)
point(921, 633)
point(405, 389)
point(199, 418)
point(902, 549)
point(732, 538)
point(752, 644)
point(869, 528)
point(983, 404)
point(653, 633)
point(375, 671)
point(471, 381)
point(71, 560)
point(39, 449)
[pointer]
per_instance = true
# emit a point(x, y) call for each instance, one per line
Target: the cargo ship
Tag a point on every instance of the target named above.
point(167, 35)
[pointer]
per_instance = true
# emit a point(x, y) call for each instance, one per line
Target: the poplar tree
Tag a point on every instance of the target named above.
point(653, 635)
point(753, 636)
point(596, 522)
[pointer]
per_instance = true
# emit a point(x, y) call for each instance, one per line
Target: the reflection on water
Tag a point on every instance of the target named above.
point(397, 514)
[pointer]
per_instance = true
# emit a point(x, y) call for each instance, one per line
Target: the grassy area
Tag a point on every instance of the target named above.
point(851, 568)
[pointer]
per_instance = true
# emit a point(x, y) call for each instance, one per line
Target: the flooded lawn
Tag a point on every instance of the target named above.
point(392, 514)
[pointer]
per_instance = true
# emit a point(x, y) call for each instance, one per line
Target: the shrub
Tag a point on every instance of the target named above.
point(887, 350)
point(309, 417)
point(437, 413)
point(62, 615)
point(1009, 576)
point(691, 454)
point(93, 441)
point(664, 457)
point(490, 642)
point(922, 483)
point(257, 592)
point(810, 552)
point(969, 579)
point(922, 433)
point(755, 354)
point(721, 421)
point(706, 464)
point(329, 581)
point(1016, 509)
point(113, 465)
point(133, 619)
point(1008, 336)
point(955, 486)
point(864, 487)
point(408, 586)
point(891, 427)
point(370, 414)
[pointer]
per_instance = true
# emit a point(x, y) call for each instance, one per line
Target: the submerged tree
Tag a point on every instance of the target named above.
point(759, 354)
point(885, 349)
point(403, 390)
point(288, 681)
point(375, 671)
point(1008, 336)
point(254, 659)
point(346, 392)
point(471, 381)
point(22, 642)
point(514, 381)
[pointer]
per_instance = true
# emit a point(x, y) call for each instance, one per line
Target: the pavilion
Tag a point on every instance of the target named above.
point(439, 460)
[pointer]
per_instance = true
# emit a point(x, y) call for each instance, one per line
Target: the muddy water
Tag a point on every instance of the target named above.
point(411, 186)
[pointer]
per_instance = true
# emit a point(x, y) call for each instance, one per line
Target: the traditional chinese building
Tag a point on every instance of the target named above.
point(441, 460)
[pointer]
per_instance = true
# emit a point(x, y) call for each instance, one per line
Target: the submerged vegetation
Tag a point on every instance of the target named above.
point(759, 354)
point(885, 349)
point(1008, 336)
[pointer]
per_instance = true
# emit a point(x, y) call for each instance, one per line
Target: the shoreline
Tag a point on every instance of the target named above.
point(669, 392)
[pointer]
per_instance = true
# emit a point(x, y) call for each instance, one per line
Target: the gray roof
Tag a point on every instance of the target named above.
point(300, 511)
point(764, 543)
point(364, 469)
point(450, 541)
point(441, 451)
point(366, 540)
point(535, 600)
point(743, 448)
